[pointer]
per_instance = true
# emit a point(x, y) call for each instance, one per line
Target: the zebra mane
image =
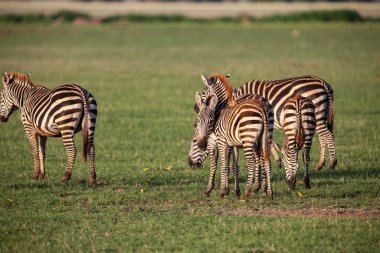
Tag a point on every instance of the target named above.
point(226, 82)
point(22, 79)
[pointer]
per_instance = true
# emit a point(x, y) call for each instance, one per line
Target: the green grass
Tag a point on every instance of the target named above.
point(144, 78)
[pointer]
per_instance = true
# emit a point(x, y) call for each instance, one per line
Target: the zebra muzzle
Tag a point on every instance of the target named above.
point(291, 183)
point(193, 164)
point(3, 119)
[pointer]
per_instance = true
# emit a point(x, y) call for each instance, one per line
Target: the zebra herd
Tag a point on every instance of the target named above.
point(229, 119)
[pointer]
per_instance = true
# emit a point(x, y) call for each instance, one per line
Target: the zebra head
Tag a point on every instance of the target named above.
point(7, 102)
point(291, 163)
point(196, 156)
point(220, 85)
point(205, 119)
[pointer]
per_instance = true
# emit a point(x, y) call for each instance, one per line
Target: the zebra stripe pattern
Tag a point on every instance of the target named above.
point(299, 128)
point(236, 125)
point(196, 156)
point(59, 112)
point(312, 87)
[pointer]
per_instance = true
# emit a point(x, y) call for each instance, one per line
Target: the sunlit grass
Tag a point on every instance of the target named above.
point(144, 78)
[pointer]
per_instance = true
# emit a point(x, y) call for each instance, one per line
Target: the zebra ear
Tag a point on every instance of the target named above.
point(29, 75)
point(5, 78)
point(213, 102)
point(228, 76)
point(206, 81)
point(198, 100)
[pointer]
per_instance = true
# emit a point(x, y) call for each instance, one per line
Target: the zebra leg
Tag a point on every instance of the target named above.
point(264, 185)
point(277, 158)
point(322, 145)
point(32, 137)
point(235, 168)
point(91, 154)
point(41, 153)
point(224, 168)
point(306, 162)
point(213, 165)
point(68, 141)
point(331, 147)
point(257, 168)
point(248, 153)
point(268, 172)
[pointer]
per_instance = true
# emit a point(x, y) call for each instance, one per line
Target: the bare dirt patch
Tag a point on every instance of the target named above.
point(316, 212)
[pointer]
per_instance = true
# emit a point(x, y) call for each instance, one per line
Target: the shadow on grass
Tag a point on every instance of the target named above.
point(29, 185)
point(327, 173)
point(324, 177)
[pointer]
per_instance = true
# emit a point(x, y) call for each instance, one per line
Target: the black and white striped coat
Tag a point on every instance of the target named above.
point(236, 125)
point(314, 88)
point(58, 112)
point(299, 126)
point(196, 156)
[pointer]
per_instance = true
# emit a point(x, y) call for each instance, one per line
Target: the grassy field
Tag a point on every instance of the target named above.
point(144, 77)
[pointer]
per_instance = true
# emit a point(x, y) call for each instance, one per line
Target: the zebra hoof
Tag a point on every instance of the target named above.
point(320, 166)
point(247, 194)
point(41, 176)
point(256, 189)
point(270, 195)
point(206, 193)
point(66, 177)
point(333, 164)
point(307, 183)
point(92, 182)
point(35, 177)
point(224, 192)
point(237, 192)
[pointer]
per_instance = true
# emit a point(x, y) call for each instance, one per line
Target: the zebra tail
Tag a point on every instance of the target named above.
point(299, 134)
point(265, 137)
point(85, 128)
point(330, 115)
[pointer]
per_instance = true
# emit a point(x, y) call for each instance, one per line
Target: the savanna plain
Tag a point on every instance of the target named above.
point(144, 77)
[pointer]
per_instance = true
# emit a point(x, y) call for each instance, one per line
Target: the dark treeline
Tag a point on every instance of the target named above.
point(79, 17)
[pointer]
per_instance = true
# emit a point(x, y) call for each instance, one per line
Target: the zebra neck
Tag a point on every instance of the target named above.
point(23, 95)
point(20, 94)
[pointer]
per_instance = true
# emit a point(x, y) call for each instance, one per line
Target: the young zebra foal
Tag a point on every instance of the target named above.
point(197, 156)
point(58, 112)
point(236, 125)
point(299, 127)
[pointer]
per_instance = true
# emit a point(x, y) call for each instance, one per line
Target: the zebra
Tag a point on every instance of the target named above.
point(242, 124)
point(196, 156)
point(311, 87)
point(299, 127)
point(58, 112)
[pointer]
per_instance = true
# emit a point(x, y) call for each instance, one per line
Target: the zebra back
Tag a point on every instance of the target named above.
point(279, 91)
